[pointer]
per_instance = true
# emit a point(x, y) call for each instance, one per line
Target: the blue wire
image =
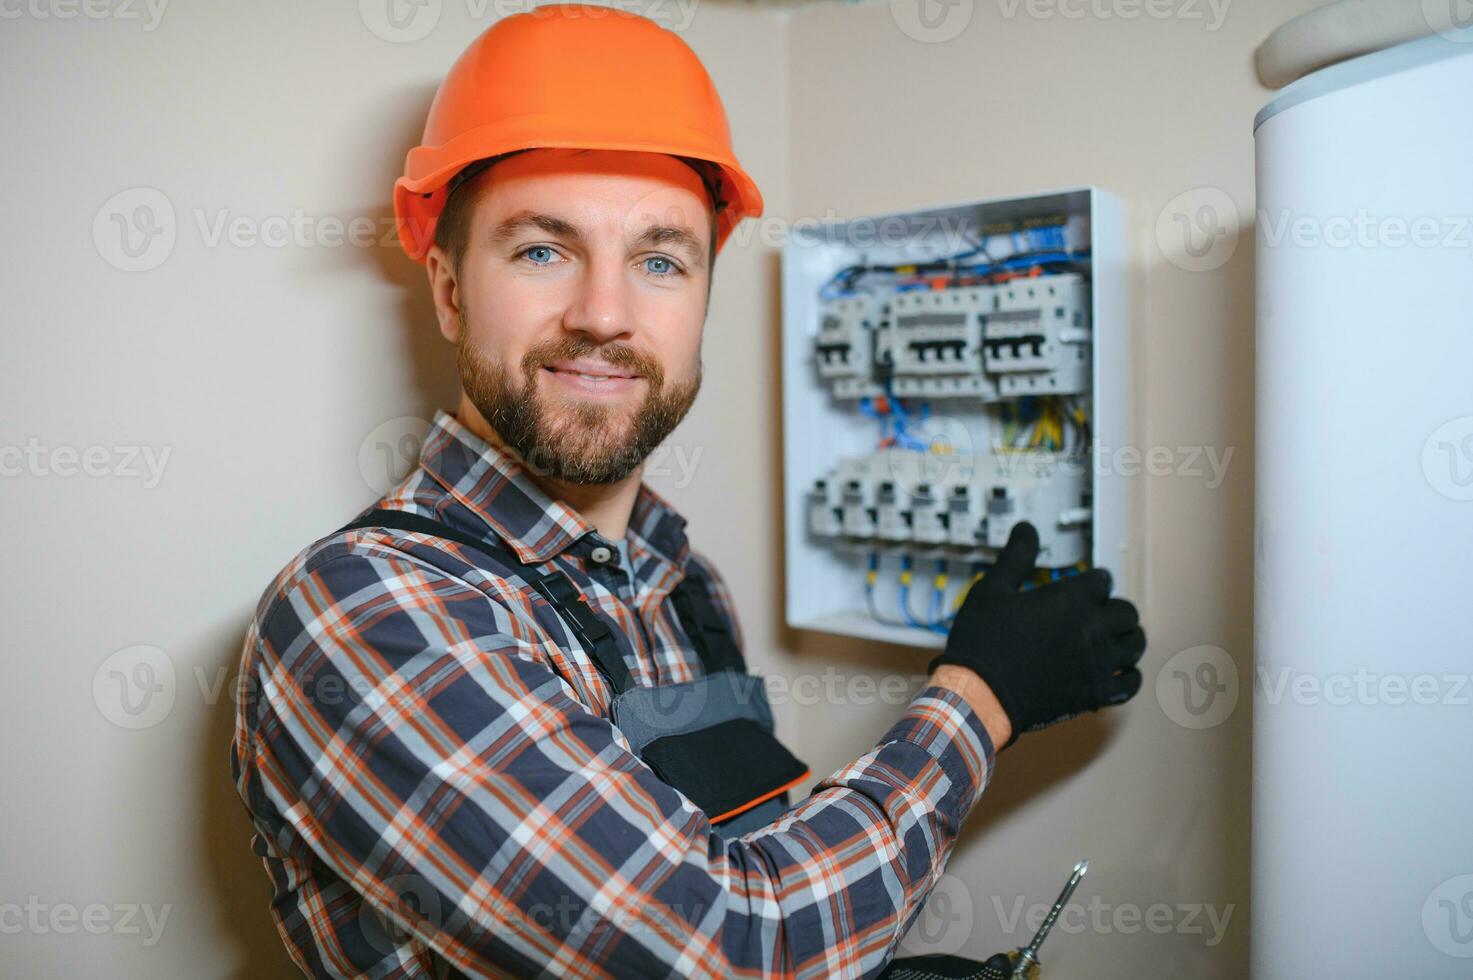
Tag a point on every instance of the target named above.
point(900, 417)
point(905, 564)
point(1050, 236)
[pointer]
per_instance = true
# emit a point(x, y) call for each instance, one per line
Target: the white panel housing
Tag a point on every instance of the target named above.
point(822, 426)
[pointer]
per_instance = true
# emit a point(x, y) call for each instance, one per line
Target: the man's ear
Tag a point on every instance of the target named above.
point(445, 291)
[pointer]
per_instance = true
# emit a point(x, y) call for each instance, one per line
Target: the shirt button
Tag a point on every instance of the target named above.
point(600, 555)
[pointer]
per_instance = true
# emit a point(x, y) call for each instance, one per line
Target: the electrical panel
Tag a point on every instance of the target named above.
point(961, 511)
point(942, 383)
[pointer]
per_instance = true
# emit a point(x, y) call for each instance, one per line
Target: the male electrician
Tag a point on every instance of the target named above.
point(424, 742)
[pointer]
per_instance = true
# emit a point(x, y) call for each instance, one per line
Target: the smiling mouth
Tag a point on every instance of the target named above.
point(595, 375)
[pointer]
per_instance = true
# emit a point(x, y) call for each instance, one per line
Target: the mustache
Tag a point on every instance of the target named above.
point(619, 355)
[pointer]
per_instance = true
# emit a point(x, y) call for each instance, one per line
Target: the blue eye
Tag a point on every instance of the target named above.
point(537, 248)
point(671, 268)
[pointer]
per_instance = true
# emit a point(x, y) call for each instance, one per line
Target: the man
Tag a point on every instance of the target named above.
point(425, 744)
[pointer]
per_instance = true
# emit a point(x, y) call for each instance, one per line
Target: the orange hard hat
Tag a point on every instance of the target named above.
point(576, 76)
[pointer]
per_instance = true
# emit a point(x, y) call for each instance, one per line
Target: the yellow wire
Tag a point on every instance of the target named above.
point(962, 595)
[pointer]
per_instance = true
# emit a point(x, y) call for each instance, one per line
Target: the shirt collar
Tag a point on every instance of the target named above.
point(497, 489)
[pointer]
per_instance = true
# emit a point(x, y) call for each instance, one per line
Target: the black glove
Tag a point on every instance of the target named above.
point(1052, 652)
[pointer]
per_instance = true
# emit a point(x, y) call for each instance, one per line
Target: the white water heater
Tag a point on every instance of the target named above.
point(1363, 703)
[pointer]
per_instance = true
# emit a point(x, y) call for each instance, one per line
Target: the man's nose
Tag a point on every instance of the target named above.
point(601, 307)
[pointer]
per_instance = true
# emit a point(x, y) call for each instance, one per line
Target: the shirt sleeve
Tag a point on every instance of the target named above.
point(407, 727)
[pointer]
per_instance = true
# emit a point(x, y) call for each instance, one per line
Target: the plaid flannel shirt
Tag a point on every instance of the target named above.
point(436, 788)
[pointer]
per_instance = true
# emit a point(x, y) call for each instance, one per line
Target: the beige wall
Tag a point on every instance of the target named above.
point(1148, 108)
point(264, 373)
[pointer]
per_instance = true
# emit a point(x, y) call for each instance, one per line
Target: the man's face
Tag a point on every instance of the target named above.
point(578, 308)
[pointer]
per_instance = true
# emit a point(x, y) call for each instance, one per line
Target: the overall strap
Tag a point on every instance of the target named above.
point(708, 632)
point(554, 586)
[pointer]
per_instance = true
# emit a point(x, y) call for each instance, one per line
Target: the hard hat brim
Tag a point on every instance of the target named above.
point(419, 195)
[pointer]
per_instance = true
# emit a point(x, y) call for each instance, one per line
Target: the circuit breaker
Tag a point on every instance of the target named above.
point(941, 384)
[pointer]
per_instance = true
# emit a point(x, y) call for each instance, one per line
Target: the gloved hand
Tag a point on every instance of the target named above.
point(1050, 653)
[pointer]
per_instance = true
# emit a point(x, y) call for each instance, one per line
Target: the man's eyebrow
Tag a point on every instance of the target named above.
point(676, 236)
point(515, 224)
point(670, 236)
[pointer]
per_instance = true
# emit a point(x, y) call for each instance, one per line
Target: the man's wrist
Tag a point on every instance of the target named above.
point(975, 691)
